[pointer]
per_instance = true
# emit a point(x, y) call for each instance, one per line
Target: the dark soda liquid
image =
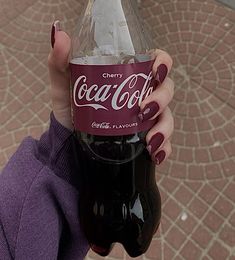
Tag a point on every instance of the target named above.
point(118, 197)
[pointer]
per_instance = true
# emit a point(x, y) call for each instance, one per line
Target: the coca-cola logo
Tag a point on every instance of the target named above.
point(124, 95)
point(103, 125)
point(106, 98)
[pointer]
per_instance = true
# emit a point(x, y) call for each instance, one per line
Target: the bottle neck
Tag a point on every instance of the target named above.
point(113, 5)
point(111, 28)
point(113, 2)
point(110, 24)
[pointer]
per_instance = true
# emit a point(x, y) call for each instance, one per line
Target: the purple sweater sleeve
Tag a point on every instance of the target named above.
point(39, 200)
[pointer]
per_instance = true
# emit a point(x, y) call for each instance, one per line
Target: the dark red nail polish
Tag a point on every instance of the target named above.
point(98, 249)
point(55, 28)
point(53, 35)
point(155, 142)
point(161, 73)
point(160, 157)
point(149, 111)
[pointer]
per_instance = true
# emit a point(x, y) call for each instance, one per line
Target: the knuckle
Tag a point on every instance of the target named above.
point(170, 59)
point(170, 87)
point(170, 150)
point(164, 56)
point(172, 84)
point(171, 118)
point(173, 125)
point(50, 60)
point(171, 121)
point(168, 147)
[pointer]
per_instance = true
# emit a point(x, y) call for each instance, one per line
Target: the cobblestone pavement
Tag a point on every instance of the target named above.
point(197, 183)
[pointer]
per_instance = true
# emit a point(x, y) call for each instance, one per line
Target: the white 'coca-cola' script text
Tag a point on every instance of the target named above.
point(132, 91)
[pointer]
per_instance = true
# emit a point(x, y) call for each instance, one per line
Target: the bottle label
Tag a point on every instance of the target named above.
point(106, 98)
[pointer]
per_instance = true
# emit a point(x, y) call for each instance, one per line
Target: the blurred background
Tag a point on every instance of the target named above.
point(197, 183)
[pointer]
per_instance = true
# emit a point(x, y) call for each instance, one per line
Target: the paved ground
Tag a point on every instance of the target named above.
point(197, 184)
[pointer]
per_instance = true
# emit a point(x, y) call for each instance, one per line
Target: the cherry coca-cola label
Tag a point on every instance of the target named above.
point(106, 98)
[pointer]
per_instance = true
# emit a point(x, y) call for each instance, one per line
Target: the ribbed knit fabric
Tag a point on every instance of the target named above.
point(39, 200)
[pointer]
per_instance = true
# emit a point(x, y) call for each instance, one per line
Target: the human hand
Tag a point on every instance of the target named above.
point(156, 105)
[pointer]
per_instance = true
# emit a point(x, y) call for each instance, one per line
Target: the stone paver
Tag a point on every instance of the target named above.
point(197, 183)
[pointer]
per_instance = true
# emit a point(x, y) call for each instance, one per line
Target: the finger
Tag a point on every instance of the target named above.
point(159, 99)
point(163, 154)
point(58, 59)
point(162, 65)
point(161, 132)
point(58, 64)
point(149, 107)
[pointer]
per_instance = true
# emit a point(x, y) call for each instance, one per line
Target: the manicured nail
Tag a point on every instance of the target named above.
point(155, 142)
point(55, 28)
point(98, 249)
point(161, 73)
point(149, 111)
point(160, 157)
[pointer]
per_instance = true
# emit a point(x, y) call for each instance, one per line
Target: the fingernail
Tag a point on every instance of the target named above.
point(55, 28)
point(160, 157)
point(161, 73)
point(98, 249)
point(149, 111)
point(155, 142)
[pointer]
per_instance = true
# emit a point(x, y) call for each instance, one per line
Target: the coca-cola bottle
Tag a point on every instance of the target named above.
point(111, 74)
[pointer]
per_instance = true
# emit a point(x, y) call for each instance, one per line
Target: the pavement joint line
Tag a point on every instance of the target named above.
point(200, 222)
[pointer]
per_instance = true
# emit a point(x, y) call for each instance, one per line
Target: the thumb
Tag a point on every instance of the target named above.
point(58, 64)
point(61, 43)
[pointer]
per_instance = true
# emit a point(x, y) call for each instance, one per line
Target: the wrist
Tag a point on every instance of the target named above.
point(64, 118)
